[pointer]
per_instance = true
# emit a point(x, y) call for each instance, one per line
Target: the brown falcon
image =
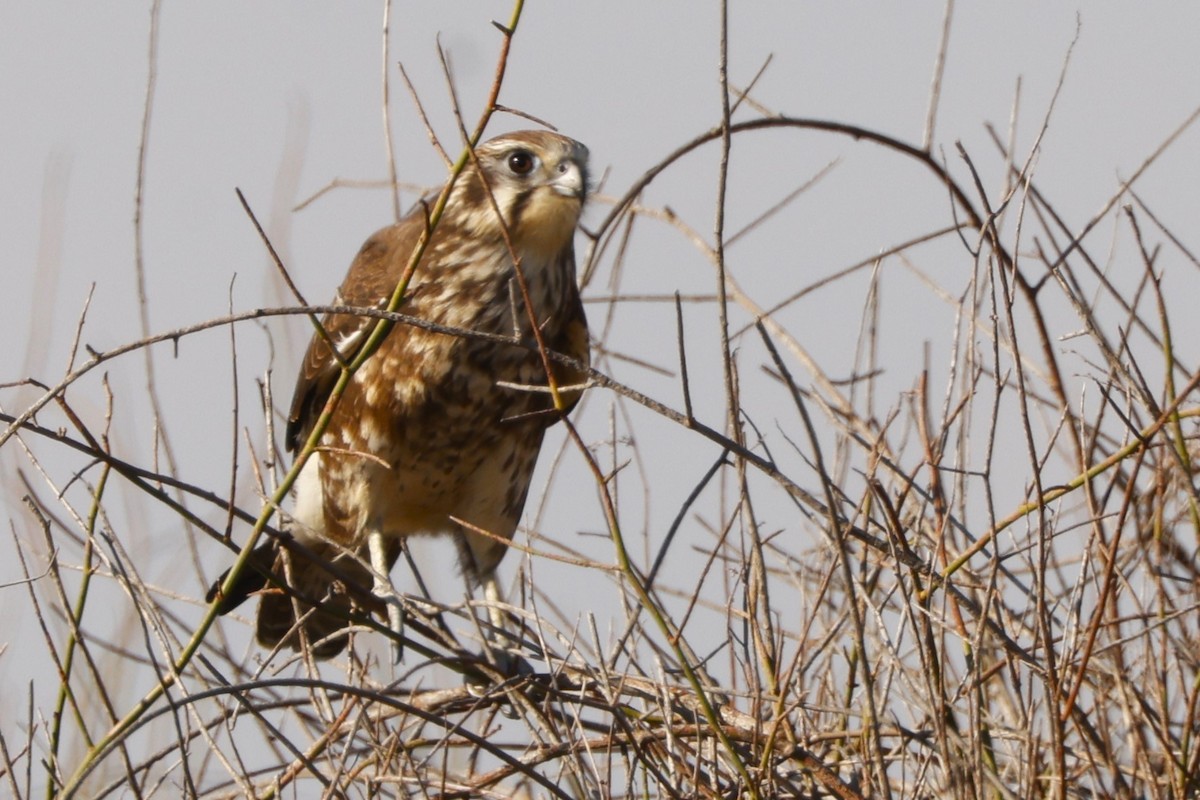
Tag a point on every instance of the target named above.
point(437, 433)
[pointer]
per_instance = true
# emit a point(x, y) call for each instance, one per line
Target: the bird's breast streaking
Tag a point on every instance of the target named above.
point(437, 432)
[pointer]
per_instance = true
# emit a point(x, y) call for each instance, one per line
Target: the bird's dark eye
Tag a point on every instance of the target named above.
point(521, 162)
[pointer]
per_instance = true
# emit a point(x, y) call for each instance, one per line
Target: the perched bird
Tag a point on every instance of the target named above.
point(436, 433)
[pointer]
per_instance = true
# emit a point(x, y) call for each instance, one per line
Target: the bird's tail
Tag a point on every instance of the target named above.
point(315, 611)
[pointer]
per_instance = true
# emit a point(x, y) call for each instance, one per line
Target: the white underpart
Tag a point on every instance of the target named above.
point(309, 512)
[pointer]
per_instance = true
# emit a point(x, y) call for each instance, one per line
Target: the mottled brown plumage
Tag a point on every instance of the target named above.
point(426, 434)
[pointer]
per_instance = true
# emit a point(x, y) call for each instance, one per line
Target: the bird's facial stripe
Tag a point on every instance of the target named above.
point(509, 198)
point(471, 200)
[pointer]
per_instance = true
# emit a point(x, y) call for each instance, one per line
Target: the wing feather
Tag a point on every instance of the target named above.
point(572, 340)
point(372, 278)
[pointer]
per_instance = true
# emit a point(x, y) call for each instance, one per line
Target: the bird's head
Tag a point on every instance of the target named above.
point(538, 180)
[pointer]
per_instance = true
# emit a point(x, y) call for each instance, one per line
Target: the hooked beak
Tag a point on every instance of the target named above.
point(570, 179)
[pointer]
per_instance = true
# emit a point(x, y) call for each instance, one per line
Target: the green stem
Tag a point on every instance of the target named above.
point(76, 618)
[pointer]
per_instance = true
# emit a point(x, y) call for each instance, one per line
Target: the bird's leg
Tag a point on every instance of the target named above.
point(384, 590)
point(496, 643)
point(499, 641)
point(491, 593)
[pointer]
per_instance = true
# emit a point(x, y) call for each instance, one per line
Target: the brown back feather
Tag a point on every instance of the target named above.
point(371, 280)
